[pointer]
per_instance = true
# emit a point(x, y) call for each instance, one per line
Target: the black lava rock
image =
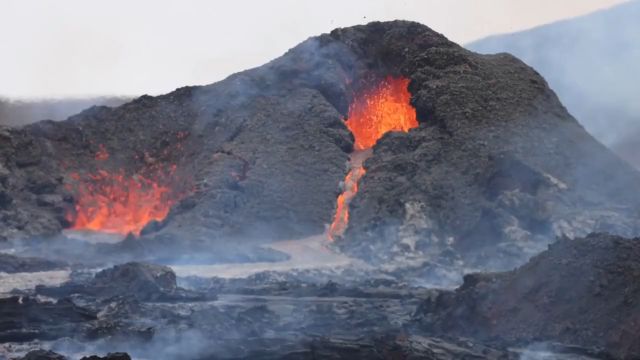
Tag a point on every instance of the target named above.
point(43, 355)
point(109, 356)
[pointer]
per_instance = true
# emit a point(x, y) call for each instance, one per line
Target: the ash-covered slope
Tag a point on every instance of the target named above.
point(497, 169)
point(581, 291)
point(497, 165)
point(593, 63)
point(259, 153)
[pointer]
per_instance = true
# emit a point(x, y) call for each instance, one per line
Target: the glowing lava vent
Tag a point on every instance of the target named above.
point(374, 112)
point(114, 202)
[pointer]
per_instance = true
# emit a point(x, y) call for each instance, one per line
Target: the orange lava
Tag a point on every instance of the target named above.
point(350, 185)
point(374, 112)
point(118, 203)
point(379, 110)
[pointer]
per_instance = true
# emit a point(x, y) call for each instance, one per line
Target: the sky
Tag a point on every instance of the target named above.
point(80, 48)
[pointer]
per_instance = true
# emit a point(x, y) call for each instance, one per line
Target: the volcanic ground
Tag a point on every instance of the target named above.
point(378, 192)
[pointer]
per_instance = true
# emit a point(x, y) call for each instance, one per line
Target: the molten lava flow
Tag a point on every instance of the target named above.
point(350, 186)
point(117, 203)
point(373, 113)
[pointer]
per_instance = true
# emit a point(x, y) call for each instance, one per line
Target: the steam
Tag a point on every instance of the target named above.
point(167, 344)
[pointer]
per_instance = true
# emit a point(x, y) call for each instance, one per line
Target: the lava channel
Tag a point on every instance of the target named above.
point(380, 109)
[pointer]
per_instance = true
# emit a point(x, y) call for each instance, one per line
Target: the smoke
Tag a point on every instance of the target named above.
point(593, 63)
point(23, 112)
point(309, 95)
point(555, 351)
point(167, 344)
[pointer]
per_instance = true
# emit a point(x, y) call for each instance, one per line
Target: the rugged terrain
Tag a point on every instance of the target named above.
point(581, 291)
point(573, 301)
point(495, 172)
point(497, 165)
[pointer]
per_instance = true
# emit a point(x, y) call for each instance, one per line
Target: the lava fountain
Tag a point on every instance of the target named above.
point(375, 111)
point(120, 203)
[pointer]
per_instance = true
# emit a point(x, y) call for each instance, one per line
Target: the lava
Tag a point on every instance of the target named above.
point(113, 202)
point(374, 112)
point(379, 110)
point(121, 203)
point(356, 171)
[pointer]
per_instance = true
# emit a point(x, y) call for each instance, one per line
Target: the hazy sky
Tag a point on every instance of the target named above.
point(57, 48)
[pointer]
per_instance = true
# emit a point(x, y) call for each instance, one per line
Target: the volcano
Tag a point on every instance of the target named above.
point(412, 157)
point(493, 162)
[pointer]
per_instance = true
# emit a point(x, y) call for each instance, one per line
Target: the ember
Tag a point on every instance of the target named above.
point(372, 114)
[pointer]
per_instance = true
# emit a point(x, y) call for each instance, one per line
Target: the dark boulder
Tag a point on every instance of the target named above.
point(109, 356)
point(581, 291)
point(25, 318)
point(135, 280)
point(43, 355)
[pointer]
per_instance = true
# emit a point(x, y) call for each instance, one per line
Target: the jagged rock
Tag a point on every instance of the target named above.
point(50, 355)
point(278, 325)
point(23, 178)
point(382, 348)
point(580, 291)
point(137, 277)
point(43, 355)
point(109, 356)
point(140, 281)
point(24, 319)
